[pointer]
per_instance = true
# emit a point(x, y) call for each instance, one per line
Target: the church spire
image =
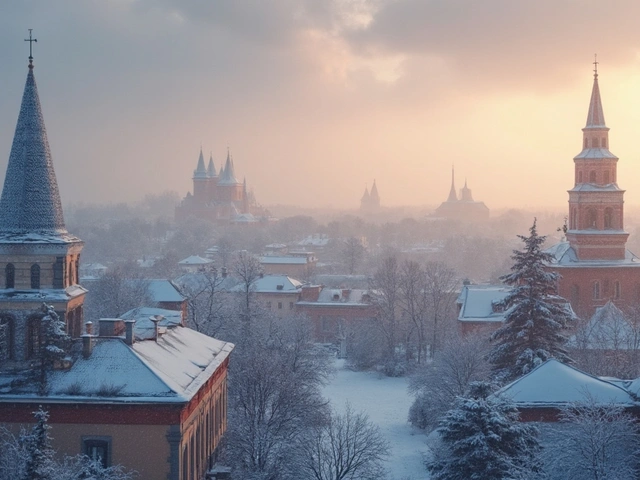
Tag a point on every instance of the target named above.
point(229, 177)
point(452, 193)
point(30, 201)
point(200, 171)
point(211, 169)
point(595, 117)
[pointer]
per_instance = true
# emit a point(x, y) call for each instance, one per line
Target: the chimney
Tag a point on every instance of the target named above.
point(128, 332)
point(88, 328)
point(87, 345)
point(156, 319)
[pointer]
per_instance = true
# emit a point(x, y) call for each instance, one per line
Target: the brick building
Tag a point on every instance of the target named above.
point(593, 262)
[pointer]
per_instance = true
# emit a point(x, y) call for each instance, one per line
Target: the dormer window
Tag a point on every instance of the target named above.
point(336, 296)
point(280, 287)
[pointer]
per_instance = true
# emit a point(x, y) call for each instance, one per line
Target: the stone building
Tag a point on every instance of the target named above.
point(593, 262)
point(220, 197)
point(463, 206)
point(370, 201)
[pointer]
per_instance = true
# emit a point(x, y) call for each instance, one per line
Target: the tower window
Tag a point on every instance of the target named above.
point(595, 142)
point(596, 290)
point(58, 273)
point(10, 276)
point(33, 337)
point(6, 338)
point(592, 218)
point(608, 217)
point(604, 142)
point(35, 276)
point(572, 223)
point(606, 177)
point(592, 176)
point(616, 289)
point(579, 177)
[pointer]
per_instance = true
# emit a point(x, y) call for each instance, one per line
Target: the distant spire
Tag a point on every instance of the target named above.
point(229, 176)
point(595, 117)
point(465, 195)
point(30, 201)
point(200, 171)
point(211, 169)
point(365, 195)
point(374, 192)
point(452, 193)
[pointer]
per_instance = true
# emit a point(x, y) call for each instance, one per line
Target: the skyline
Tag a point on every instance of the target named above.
point(325, 95)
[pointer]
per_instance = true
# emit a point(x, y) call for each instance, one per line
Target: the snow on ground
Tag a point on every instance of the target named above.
point(387, 403)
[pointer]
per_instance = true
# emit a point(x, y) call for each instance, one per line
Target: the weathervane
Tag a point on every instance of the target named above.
point(595, 64)
point(30, 40)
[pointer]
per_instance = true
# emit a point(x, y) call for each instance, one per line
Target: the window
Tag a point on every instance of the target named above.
point(595, 142)
point(98, 448)
point(35, 276)
point(592, 218)
point(596, 290)
point(291, 304)
point(58, 273)
point(33, 337)
point(579, 177)
point(572, 222)
point(6, 338)
point(616, 289)
point(604, 142)
point(9, 276)
point(592, 176)
point(605, 179)
point(608, 217)
point(269, 305)
point(279, 305)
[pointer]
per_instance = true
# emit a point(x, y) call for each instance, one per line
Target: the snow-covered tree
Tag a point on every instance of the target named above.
point(39, 454)
point(535, 316)
point(593, 441)
point(481, 438)
point(54, 345)
point(347, 447)
point(435, 385)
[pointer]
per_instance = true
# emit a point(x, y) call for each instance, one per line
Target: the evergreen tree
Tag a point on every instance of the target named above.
point(535, 315)
point(54, 344)
point(40, 464)
point(481, 438)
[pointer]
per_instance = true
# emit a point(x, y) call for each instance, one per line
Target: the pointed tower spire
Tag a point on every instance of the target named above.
point(211, 169)
point(229, 177)
point(30, 201)
point(595, 117)
point(453, 197)
point(200, 171)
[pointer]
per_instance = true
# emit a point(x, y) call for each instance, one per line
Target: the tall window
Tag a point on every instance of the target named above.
point(9, 276)
point(35, 276)
point(606, 177)
point(579, 177)
point(595, 142)
point(616, 289)
point(604, 142)
point(596, 290)
point(574, 214)
point(608, 217)
point(592, 176)
point(592, 218)
point(33, 337)
point(6, 338)
point(98, 449)
point(575, 295)
point(58, 273)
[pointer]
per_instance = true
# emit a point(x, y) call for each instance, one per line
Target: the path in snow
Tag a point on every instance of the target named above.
point(387, 403)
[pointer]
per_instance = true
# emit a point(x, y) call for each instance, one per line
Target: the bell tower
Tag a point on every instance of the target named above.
point(38, 257)
point(596, 216)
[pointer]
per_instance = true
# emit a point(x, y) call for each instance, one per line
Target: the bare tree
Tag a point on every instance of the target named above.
point(440, 290)
point(248, 269)
point(459, 362)
point(352, 254)
point(594, 441)
point(413, 301)
point(225, 250)
point(119, 290)
point(348, 446)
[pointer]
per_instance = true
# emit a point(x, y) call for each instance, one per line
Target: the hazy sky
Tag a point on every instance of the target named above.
point(316, 98)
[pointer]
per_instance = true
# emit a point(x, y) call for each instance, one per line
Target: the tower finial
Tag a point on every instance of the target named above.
point(31, 40)
point(595, 65)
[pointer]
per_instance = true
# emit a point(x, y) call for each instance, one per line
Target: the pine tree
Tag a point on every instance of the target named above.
point(535, 316)
point(482, 439)
point(54, 343)
point(40, 463)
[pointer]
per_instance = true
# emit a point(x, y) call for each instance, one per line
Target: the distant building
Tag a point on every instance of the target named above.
point(295, 264)
point(220, 197)
point(195, 263)
point(278, 293)
point(462, 207)
point(479, 308)
point(594, 263)
point(370, 201)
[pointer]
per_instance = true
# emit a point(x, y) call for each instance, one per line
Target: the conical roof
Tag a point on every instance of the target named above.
point(374, 192)
point(465, 195)
point(229, 176)
point(200, 171)
point(211, 169)
point(595, 117)
point(30, 201)
point(365, 195)
point(452, 193)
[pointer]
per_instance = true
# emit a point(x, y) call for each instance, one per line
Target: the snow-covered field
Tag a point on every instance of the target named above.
point(387, 402)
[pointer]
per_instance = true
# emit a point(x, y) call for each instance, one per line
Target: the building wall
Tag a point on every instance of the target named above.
point(331, 321)
point(279, 303)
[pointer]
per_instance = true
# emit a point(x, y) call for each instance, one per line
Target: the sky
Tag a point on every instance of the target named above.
point(317, 98)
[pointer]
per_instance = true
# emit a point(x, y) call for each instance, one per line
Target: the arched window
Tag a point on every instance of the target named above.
point(58, 273)
point(608, 218)
point(616, 289)
point(592, 218)
point(596, 290)
point(580, 177)
point(604, 142)
point(6, 338)
point(592, 176)
point(605, 178)
point(595, 142)
point(33, 337)
point(9, 276)
point(35, 276)
point(574, 214)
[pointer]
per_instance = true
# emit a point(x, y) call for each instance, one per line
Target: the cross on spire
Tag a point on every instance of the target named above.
point(31, 40)
point(595, 64)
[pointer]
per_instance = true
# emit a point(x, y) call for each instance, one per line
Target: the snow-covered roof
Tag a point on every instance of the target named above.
point(607, 329)
point(202, 280)
point(283, 260)
point(554, 384)
point(244, 218)
point(200, 171)
point(316, 240)
point(195, 260)
point(477, 303)
point(30, 201)
point(171, 370)
point(273, 284)
point(590, 187)
point(353, 297)
point(42, 295)
point(563, 255)
point(595, 153)
point(144, 328)
point(162, 290)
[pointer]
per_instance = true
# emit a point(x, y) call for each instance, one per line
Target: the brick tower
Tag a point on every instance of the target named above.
point(594, 263)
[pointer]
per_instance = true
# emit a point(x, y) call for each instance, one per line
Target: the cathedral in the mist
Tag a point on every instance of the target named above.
point(594, 263)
